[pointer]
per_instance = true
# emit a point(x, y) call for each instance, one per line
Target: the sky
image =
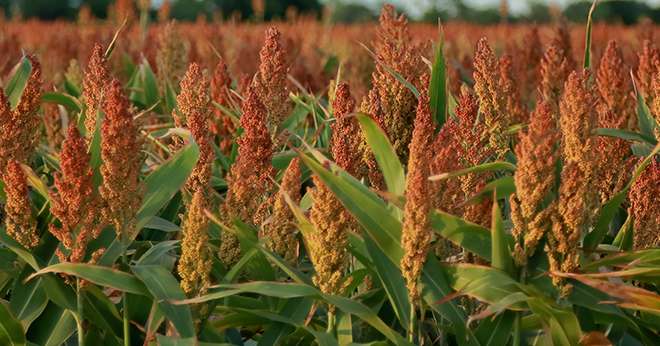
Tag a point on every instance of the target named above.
point(416, 7)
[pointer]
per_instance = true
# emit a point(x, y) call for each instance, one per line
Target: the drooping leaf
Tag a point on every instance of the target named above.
point(385, 155)
point(11, 330)
point(438, 87)
point(99, 275)
point(18, 81)
point(162, 285)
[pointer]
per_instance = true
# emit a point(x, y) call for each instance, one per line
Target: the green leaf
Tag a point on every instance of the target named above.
point(149, 84)
point(624, 237)
point(296, 310)
point(438, 87)
point(385, 155)
point(503, 187)
point(486, 167)
point(11, 330)
point(392, 280)
point(486, 284)
point(101, 311)
point(53, 327)
point(501, 252)
point(496, 331)
point(587, 41)
point(294, 290)
point(472, 237)
point(645, 120)
point(69, 102)
point(164, 288)
point(102, 276)
point(28, 300)
point(626, 135)
point(562, 324)
point(163, 183)
point(18, 81)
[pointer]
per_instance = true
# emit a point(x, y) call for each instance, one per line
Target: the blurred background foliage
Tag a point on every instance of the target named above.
point(343, 11)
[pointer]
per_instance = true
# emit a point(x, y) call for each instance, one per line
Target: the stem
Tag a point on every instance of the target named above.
point(516, 330)
point(331, 319)
point(411, 324)
point(124, 296)
point(79, 317)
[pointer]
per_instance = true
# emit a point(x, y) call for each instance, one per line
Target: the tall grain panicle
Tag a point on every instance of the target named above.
point(577, 192)
point(122, 159)
point(270, 81)
point(562, 39)
point(95, 82)
point(577, 120)
point(528, 60)
point(19, 222)
point(569, 222)
point(333, 223)
point(390, 102)
point(416, 234)
point(195, 262)
point(538, 154)
point(554, 70)
point(75, 202)
point(513, 105)
point(194, 112)
point(171, 56)
point(19, 127)
point(616, 109)
point(327, 245)
point(649, 65)
point(655, 105)
point(492, 102)
point(250, 176)
point(644, 198)
point(53, 125)
point(279, 231)
point(346, 133)
point(222, 125)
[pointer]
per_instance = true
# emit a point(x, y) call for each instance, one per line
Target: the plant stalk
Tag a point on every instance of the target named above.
point(79, 317)
point(331, 319)
point(411, 324)
point(124, 296)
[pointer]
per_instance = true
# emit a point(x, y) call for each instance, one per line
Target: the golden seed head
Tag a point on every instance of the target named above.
point(644, 198)
point(271, 79)
point(555, 68)
point(221, 124)
point(575, 208)
point(122, 160)
point(327, 245)
point(19, 222)
point(537, 153)
point(250, 176)
point(20, 126)
point(346, 133)
point(509, 86)
point(97, 79)
point(416, 235)
point(194, 112)
point(279, 231)
point(492, 102)
point(75, 202)
point(577, 120)
point(390, 102)
point(649, 64)
point(613, 82)
point(195, 262)
point(171, 56)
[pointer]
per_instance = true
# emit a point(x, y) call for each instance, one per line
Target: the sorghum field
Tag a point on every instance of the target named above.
point(299, 183)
